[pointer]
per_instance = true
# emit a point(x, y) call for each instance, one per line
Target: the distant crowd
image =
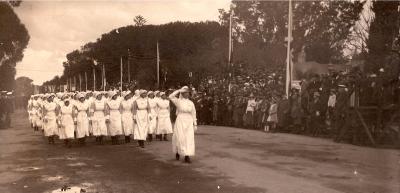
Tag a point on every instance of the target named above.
point(319, 105)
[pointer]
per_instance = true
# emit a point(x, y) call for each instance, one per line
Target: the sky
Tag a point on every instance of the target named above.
point(59, 27)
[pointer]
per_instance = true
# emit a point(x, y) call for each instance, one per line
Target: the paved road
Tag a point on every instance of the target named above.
point(227, 160)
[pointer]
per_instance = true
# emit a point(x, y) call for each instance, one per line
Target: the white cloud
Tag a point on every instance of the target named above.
point(58, 27)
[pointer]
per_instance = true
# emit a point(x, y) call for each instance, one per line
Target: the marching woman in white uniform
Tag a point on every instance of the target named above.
point(115, 122)
point(141, 118)
point(36, 111)
point(98, 111)
point(41, 102)
point(89, 100)
point(50, 119)
point(127, 116)
point(67, 128)
point(81, 119)
point(164, 125)
point(153, 115)
point(185, 125)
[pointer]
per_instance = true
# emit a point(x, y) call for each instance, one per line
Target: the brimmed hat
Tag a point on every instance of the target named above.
point(162, 93)
point(149, 93)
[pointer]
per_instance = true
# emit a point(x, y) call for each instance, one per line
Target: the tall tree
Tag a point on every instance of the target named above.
point(13, 40)
point(383, 31)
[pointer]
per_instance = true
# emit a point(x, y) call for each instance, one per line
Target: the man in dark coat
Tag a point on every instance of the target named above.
point(283, 113)
point(316, 108)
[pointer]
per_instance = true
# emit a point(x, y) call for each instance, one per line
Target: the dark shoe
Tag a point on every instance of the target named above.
point(142, 144)
point(187, 160)
point(165, 137)
point(177, 156)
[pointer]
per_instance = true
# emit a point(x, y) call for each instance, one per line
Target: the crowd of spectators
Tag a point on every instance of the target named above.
point(319, 105)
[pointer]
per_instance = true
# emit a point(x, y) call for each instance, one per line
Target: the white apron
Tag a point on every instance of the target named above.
point(183, 137)
point(67, 122)
point(50, 125)
point(164, 125)
point(127, 117)
point(115, 126)
point(142, 119)
point(152, 115)
point(99, 126)
point(82, 126)
point(36, 113)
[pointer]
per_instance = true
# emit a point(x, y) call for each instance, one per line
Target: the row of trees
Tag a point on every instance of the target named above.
point(197, 47)
point(324, 28)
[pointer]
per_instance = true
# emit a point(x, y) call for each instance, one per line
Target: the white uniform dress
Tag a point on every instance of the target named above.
point(82, 126)
point(89, 101)
point(99, 119)
point(152, 115)
point(183, 137)
point(142, 119)
point(164, 125)
point(50, 125)
point(36, 113)
point(67, 128)
point(127, 117)
point(40, 113)
point(29, 107)
point(115, 126)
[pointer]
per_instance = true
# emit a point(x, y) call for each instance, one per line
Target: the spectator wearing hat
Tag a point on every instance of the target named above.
point(316, 109)
point(248, 117)
point(296, 112)
point(8, 105)
point(215, 109)
point(272, 119)
point(283, 112)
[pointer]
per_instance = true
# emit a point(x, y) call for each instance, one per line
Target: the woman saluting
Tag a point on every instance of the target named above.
point(185, 124)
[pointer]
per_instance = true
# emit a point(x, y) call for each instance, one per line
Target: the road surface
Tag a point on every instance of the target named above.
point(227, 160)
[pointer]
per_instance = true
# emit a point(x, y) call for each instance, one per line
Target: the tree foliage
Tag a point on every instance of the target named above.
point(383, 31)
point(23, 86)
point(139, 20)
point(14, 38)
point(197, 47)
point(322, 27)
